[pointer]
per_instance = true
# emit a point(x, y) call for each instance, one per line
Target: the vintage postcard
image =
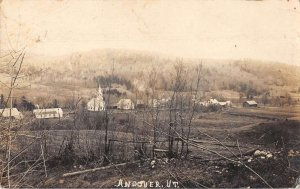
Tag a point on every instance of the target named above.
point(149, 93)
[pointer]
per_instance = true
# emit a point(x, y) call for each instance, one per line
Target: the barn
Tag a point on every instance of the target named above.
point(250, 103)
point(6, 113)
point(48, 113)
point(125, 104)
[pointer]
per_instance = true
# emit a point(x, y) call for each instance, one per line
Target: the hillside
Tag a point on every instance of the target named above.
point(76, 74)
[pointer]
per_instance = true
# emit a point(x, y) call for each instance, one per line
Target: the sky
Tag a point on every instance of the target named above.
point(228, 29)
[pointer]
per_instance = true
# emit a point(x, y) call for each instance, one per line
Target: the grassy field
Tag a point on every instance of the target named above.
point(234, 133)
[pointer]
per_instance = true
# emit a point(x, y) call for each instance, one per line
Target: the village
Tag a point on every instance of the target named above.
point(149, 94)
point(98, 104)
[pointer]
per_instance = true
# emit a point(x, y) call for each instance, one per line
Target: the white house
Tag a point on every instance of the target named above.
point(213, 101)
point(225, 104)
point(125, 104)
point(97, 103)
point(13, 113)
point(48, 113)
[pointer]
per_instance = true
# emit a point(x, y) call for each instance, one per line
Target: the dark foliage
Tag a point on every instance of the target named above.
point(25, 104)
point(104, 81)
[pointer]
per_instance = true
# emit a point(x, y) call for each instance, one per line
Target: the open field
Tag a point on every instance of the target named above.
point(235, 134)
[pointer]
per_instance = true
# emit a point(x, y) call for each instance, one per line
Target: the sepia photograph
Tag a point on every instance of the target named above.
point(150, 94)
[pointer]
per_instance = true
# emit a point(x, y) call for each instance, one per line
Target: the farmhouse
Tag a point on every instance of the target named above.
point(6, 113)
point(250, 103)
point(97, 103)
point(48, 113)
point(125, 104)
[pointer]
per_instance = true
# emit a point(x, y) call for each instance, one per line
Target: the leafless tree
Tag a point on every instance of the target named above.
point(11, 150)
point(152, 83)
point(178, 86)
point(107, 113)
point(195, 96)
point(15, 65)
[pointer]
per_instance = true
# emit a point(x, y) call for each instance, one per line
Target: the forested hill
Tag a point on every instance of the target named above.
point(133, 69)
point(130, 63)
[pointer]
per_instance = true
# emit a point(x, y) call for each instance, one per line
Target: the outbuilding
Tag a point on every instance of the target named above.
point(250, 103)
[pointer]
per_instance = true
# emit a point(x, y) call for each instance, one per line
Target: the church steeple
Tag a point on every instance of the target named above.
point(97, 103)
point(100, 93)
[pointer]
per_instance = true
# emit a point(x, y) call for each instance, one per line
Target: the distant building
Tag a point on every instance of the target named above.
point(165, 102)
point(250, 103)
point(97, 103)
point(125, 104)
point(203, 104)
point(225, 104)
point(140, 104)
point(154, 103)
point(195, 98)
point(161, 103)
point(14, 112)
point(212, 101)
point(48, 113)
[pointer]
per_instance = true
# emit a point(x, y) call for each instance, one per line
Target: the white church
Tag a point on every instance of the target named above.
point(97, 103)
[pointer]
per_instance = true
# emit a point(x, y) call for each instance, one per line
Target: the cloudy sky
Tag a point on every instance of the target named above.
point(266, 30)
